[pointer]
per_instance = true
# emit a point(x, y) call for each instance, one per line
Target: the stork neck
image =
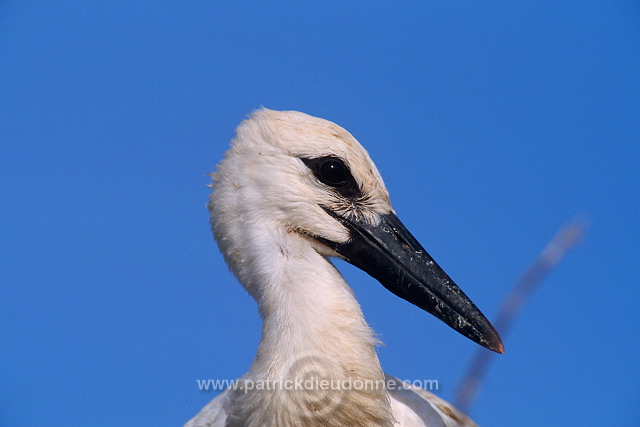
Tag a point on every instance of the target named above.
point(307, 307)
point(314, 330)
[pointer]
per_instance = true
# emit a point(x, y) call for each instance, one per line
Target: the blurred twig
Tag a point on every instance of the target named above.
point(567, 238)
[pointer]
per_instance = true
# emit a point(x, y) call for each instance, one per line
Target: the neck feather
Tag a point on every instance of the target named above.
point(316, 359)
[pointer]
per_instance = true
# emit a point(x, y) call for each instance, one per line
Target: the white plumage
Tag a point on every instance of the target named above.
point(292, 191)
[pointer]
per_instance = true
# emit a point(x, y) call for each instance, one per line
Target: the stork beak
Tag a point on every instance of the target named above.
point(390, 254)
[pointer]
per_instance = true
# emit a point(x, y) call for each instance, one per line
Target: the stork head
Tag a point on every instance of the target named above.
point(288, 172)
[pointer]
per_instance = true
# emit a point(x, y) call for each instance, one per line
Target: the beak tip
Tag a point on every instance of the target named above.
point(496, 345)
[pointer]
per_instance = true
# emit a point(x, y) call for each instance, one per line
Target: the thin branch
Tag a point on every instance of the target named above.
point(567, 238)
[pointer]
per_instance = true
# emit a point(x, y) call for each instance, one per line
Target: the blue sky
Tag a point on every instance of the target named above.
point(492, 124)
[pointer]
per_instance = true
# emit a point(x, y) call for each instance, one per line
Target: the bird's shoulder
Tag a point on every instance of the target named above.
point(214, 413)
point(415, 406)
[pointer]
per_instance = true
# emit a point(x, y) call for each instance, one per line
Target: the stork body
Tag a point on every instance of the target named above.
point(292, 191)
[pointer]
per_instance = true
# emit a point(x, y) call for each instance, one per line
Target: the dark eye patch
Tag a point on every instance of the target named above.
point(332, 171)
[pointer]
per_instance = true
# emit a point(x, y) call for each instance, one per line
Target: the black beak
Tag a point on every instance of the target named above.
point(389, 253)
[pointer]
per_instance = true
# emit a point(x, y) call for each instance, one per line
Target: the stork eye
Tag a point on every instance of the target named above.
point(332, 172)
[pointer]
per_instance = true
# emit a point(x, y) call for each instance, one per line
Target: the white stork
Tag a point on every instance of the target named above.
point(292, 191)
